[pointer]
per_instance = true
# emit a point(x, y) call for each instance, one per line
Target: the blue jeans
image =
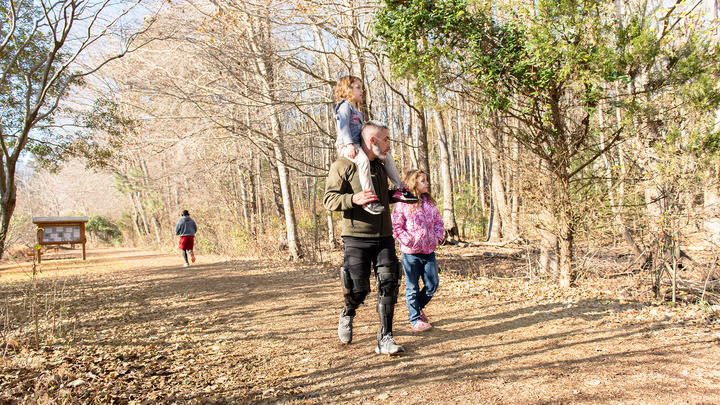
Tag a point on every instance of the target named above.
point(417, 266)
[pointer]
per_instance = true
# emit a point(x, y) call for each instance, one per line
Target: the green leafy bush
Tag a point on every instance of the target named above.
point(104, 229)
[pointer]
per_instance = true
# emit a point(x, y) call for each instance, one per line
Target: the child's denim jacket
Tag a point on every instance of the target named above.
point(349, 121)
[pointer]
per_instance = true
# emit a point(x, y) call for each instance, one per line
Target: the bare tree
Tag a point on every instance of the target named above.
point(75, 190)
point(44, 53)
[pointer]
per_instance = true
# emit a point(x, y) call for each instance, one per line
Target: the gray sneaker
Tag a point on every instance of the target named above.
point(374, 208)
point(345, 329)
point(387, 345)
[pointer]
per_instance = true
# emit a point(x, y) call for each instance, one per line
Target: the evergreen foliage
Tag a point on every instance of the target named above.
point(103, 228)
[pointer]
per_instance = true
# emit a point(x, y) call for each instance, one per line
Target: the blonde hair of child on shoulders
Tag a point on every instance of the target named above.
point(414, 178)
point(344, 88)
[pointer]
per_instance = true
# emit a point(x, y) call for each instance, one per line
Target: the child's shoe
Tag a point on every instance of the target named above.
point(419, 326)
point(374, 208)
point(404, 196)
point(192, 256)
point(423, 317)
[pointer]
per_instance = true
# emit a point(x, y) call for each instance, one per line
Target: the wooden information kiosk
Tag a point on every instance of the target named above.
point(60, 231)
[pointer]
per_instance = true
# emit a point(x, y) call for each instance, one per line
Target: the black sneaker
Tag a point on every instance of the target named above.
point(387, 345)
point(345, 329)
point(374, 208)
point(404, 196)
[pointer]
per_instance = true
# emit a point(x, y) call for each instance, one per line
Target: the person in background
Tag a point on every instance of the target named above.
point(186, 229)
point(419, 228)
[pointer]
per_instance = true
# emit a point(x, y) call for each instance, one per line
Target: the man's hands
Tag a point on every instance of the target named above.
point(351, 151)
point(364, 197)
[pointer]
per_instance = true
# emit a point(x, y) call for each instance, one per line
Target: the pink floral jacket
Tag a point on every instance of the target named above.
point(417, 230)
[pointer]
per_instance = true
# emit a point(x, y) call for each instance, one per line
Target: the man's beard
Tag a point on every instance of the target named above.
point(380, 154)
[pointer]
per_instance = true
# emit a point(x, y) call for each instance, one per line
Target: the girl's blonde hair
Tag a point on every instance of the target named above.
point(411, 179)
point(343, 88)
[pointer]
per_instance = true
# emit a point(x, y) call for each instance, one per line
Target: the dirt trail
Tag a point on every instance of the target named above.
point(147, 330)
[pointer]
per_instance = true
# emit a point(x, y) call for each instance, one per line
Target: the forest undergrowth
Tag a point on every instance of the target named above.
point(135, 327)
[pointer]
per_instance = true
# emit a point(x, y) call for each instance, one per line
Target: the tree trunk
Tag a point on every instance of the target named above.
point(500, 207)
point(412, 150)
point(286, 191)
point(244, 199)
point(711, 206)
point(261, 43)
point(251, 200)
point(481, 179)
point(276, 189)
point(325, 64)
point(7, 208)
point(513, 225)
point(566, 228)
point(451, 229)
point(259, 195)
point(422, 144)
point(141, 211)
point(331, 230)
point(156, 227)
point(548, 251)
point(653, 206)
point(135, 217)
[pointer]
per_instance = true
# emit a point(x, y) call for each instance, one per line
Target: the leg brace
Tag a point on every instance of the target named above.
point(354, 290)
point(388, 283)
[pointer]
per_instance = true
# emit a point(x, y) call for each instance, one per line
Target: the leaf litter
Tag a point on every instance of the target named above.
point(138, 328)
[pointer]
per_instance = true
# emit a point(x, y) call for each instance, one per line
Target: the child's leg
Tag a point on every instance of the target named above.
point(184, 254)
point(430, 279)
point(412, 268)
point(392, 171)
point(342, 152)
point(363, 164)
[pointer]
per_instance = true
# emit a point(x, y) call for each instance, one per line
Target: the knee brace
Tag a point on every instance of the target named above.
point(354, 290)
point(387, 283)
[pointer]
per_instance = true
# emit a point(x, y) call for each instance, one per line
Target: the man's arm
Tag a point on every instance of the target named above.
point(337, 197)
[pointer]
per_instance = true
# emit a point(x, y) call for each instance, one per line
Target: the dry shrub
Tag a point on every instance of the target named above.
point(34, 312)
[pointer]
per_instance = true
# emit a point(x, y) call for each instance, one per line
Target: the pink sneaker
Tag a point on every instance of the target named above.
point(423, 317)
point(420, 326)
point(192, 257)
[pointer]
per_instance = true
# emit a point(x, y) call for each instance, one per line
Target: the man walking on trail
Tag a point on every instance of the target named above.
point(186, 229)
point(367, 238)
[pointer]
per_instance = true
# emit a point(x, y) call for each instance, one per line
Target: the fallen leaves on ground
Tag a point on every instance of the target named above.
point(133, 327)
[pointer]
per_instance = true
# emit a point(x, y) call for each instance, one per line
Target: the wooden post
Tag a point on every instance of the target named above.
point(82, 236)
point(38, 240)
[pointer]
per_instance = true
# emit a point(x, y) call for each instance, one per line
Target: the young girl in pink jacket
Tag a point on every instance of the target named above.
point(419, 229)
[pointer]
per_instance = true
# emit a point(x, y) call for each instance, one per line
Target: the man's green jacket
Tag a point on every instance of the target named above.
point(342, 182)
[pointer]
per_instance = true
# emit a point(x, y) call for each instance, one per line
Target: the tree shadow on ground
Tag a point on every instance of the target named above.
point(173, 311)
point(488, 338)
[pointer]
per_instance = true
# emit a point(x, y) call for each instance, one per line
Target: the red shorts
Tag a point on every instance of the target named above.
point(187, 242)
